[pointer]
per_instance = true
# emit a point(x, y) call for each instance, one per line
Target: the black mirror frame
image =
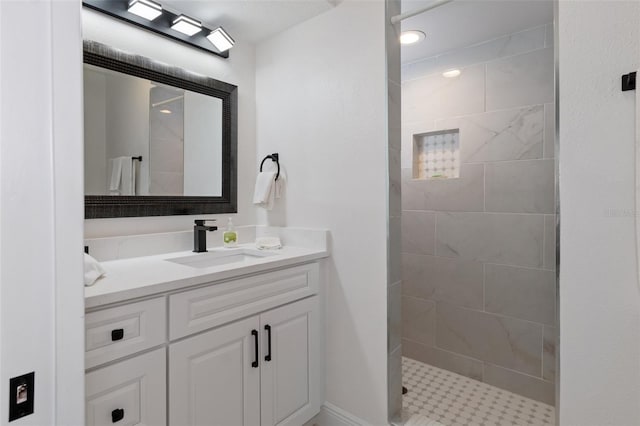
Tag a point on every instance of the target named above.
point(108, 206)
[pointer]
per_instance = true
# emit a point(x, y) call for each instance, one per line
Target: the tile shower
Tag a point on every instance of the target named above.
point(478, 250)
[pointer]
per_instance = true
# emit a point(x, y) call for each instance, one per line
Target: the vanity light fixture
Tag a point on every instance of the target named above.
point(221, 40)
point(146, 9)
point(411, 37)
point(451, 73)
point(174, 25)
point(186, 25)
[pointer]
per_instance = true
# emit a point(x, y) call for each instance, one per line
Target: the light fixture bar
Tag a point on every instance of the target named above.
point(186, 25)
point(220, 39)
point(146, 9)
point(151, 16)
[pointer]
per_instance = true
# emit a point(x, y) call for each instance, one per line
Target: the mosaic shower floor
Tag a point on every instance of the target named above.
point(454, 400)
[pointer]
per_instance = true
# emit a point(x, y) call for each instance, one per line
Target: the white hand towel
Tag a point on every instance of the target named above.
point(280, 184)
point(115, 165)
point(265, 190)
point(123, 176)
point(92, 270)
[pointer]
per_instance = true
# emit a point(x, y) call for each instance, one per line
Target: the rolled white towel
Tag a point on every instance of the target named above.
point(92, 270)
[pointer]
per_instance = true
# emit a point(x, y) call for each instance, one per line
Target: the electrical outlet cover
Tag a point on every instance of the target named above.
point(21, 391)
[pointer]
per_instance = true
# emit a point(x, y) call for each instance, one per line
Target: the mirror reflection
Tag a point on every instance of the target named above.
point(147, 138)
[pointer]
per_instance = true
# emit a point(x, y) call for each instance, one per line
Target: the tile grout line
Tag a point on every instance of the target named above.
point(544, 239)
point(544, 131)
point(484, 188)
point(484, 287)
point(435, 233)
point(478, 212)
point(433, 122)
point(486, 70)
point(542, 355)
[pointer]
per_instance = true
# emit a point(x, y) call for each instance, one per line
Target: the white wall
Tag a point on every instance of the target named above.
point(41, 291)
point(238, 69)
point(599, 298)
point(321, 104)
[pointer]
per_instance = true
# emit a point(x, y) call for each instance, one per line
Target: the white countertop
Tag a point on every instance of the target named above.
point(145, 276)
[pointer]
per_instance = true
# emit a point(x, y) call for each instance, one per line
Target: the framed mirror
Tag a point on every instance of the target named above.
point(159, 140)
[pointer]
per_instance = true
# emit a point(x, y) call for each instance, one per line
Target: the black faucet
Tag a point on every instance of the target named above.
point(200, 235)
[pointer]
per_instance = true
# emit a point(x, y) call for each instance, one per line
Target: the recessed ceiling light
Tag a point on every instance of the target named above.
point(451, 73)
point(220, 39)
point(165, 111)
point(186, 25)
point(146, 9)
point(411, 37)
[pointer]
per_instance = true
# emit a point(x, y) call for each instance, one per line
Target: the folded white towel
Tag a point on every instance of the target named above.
point(268, 243)
point(92, 270)
point(265, 190)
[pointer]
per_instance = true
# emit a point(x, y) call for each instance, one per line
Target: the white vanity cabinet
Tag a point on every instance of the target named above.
point(290, 377)
point(242, 352)
point(212, 378)
point(131, 392)
point(264, 370)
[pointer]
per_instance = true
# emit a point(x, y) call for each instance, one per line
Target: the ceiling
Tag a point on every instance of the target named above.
point(466, 22)
point(250, 20)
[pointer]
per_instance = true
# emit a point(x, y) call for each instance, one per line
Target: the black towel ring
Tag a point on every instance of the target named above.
point(275, 158)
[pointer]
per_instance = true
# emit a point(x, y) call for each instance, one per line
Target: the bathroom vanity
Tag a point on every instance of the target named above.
point(227, 337)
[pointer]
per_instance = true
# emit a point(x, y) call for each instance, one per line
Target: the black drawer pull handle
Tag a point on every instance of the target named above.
point(255, 363)
point(117, 415)
point(117, 334)
point(268, 356)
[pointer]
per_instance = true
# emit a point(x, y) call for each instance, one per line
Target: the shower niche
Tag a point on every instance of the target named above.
point(436, 155)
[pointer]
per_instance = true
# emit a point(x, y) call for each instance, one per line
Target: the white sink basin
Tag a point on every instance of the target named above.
point(221, 257)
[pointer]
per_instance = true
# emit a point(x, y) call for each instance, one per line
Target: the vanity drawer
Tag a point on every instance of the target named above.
point(124, 330)
point(131, 392)
point(208, 307)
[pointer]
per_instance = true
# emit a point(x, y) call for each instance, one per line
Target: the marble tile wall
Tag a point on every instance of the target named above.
point(478, 252)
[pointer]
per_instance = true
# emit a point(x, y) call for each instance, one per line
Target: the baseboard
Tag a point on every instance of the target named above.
point(330, 415)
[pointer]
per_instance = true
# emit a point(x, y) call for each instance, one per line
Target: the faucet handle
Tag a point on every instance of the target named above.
point(200, 222)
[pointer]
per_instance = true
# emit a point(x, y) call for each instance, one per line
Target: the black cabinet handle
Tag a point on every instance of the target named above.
point(268, 356)
point(117, 415)
point(117, 334)
point(254, 333)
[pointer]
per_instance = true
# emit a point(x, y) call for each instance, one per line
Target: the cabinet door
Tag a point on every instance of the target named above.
point(290, 372)
point(213, 379)
point(128, 393)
